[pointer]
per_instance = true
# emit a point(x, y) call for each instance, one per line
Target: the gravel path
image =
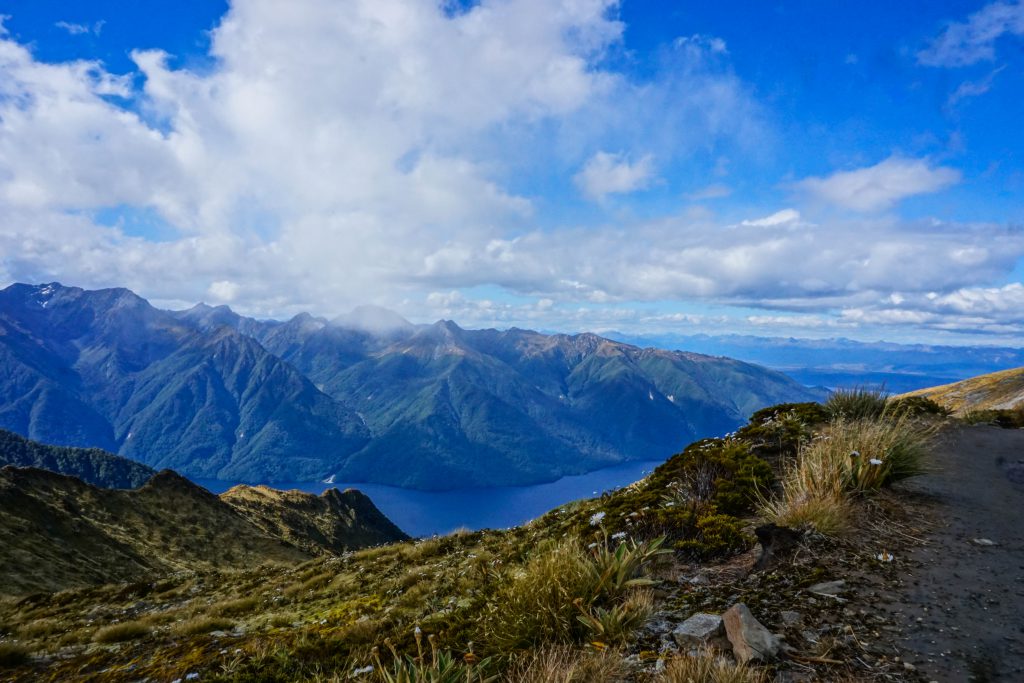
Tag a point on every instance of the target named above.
point(962, 607)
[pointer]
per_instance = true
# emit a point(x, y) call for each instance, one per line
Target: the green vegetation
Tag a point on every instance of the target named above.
point(1007, 418)
point(91, 465)
point(563, 598)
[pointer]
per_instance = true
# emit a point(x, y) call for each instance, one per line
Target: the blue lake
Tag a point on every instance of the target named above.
point(424, 513)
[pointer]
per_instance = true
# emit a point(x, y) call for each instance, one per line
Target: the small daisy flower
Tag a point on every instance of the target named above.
point(597, 518)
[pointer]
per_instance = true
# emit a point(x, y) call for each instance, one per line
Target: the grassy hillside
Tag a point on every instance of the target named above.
point(995, 391)
point(91, 465)
point(594, 587)
point(335, 521)
point(58, 532)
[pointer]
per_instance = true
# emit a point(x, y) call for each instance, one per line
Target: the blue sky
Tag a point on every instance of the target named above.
point(789, 168)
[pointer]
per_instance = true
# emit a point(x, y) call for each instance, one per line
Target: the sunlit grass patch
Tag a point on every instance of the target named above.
point(116, 633)
point(563, 664)
point(709, 668)
point(849, 457)
point(201, 625)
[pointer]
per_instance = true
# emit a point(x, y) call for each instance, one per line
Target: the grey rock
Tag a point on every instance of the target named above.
point(789, 617)
point(750, 639)
point(828, 587)
point(697, 629)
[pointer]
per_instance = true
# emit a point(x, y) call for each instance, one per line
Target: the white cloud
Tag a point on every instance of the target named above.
point(778, 218)
point(606, 173)
point(973, 40)
point(223, 291)
point(969, 89)
point(365, 151)
point(879, 187)
point(81, 29)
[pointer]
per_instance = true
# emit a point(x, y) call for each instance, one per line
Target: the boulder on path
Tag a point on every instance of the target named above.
point(750, 639)
point(697, 630)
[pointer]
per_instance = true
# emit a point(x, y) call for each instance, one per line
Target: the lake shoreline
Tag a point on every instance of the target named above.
point(426, 513)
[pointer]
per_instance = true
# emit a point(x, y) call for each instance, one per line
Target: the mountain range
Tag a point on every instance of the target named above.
point(835, 363)
point(365, 397)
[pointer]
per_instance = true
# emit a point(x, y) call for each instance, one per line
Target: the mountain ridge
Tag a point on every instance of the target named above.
point(365, 397)
point(1001, 390)
point(91, 465)
point(59, 532)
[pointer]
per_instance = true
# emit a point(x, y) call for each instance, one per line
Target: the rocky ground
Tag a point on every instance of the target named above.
point(929, 587)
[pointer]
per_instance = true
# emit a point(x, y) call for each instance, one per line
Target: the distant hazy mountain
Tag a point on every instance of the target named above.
point(364, 397)
point(91, 465)
point(836, 363)
point(994, 391)
point(58, 532)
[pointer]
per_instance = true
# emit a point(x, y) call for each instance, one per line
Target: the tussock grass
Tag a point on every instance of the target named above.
point(561, 664)
point(227, 608)
point(564, 594)
point(858, 403)
point(201, 625)
point(116, 633)
point(828, 515)
point(850, 457)
point(708, 668)
point(535, 604)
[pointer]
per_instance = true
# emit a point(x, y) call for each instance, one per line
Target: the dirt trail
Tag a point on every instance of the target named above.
point(962, 607)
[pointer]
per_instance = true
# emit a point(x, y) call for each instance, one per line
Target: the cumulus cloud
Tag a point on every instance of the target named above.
point(336, 153)
point(880, 187)
point(606, 174)
point(372, 151)
point(971, 41)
